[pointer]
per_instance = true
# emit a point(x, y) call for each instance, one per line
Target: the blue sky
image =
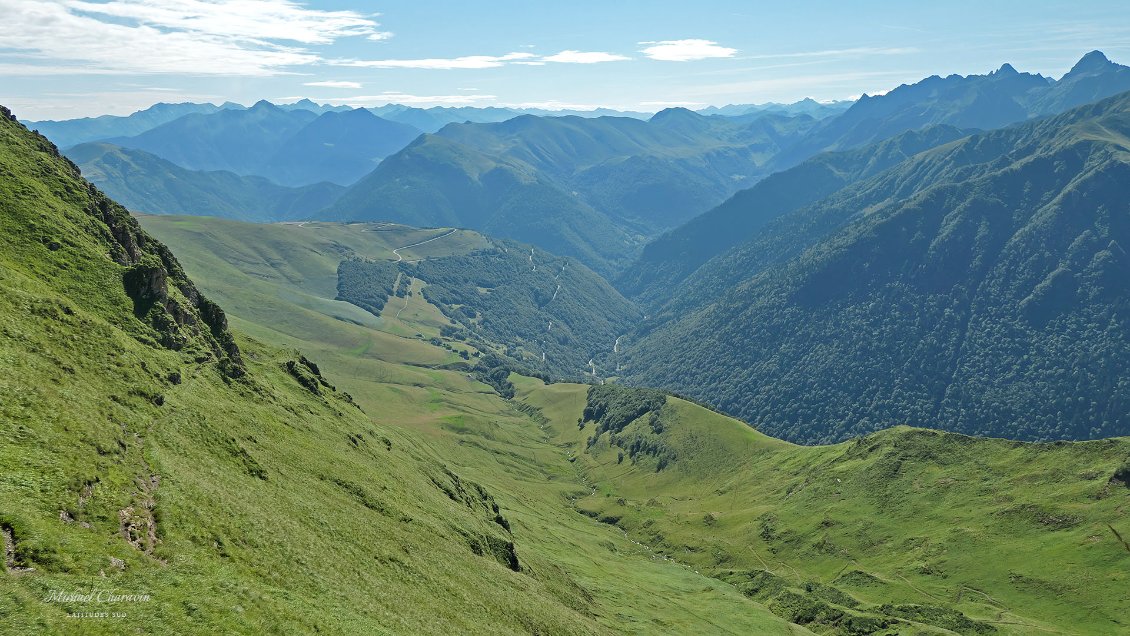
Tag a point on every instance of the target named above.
point(71, 58)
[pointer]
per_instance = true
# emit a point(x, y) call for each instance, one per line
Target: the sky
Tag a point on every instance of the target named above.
point(62, 59)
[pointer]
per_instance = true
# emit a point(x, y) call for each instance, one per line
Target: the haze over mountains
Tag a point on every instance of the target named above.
point(603, 190)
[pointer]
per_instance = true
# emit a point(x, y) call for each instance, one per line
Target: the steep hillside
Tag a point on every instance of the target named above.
point(903, 531)
point(189, 480)
point(671, 258)
point(932, 110)
point(979, 287)
point(147, 183)
point(585, 187)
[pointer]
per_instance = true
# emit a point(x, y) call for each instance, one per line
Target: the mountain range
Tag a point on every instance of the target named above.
point(941, 108)
point(292, 147)
point(592, 188)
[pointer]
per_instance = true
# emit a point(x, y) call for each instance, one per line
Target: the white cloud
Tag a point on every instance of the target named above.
point(334, 84)
point(662, 104)
point(584, 57)
point(685, 50)
point(465, 62)
point(199, 37)
point(488, 61)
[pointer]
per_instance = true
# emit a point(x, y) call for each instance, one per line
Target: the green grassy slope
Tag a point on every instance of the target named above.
point(235, 489)
point(1014, 536)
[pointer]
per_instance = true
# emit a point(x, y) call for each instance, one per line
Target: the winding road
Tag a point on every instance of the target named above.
point(404, 247)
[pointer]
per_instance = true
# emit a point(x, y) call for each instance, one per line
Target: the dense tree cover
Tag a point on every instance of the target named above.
point(144, 182)
point(534, 303)
point(985, 289)
point(613, 408)
point(591, 188)
point(366, 283)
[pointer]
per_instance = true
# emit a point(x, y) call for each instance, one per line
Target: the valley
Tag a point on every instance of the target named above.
point(643, 336)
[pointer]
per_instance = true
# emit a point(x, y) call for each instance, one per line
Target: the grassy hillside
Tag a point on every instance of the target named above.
point(977, 287)
point(144, 182)
point(225, 485)
point(920, 530)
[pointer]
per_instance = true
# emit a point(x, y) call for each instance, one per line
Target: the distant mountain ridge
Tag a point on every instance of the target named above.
point(293, 147)
point(70, 132)
point(147, 183)
point(952, 103)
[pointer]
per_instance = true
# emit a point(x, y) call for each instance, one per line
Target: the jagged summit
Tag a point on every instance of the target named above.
point(1093, 61)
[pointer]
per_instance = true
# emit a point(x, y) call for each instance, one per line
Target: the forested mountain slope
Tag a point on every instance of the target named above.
point(671, 258)
point(980, 287)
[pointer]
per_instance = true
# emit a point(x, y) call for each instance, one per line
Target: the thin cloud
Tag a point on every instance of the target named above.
point(685, 50)
point(852, 52)
point(194, 37)
point(584, 57)
point(464, 62)
point(334, 84)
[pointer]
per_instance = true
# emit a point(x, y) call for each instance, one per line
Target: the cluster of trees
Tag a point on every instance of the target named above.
point(367, 284)
point(614, 408)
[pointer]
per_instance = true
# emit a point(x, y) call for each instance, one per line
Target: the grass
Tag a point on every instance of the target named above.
point(1013, 535)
